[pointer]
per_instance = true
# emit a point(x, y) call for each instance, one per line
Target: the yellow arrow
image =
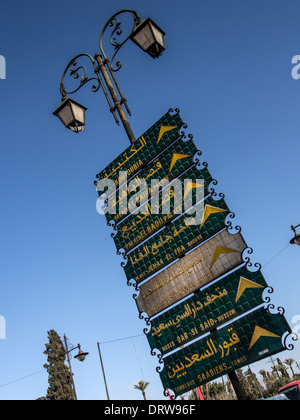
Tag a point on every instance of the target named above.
point(219, 251)
point(164, 129)
point(246, 284)
point(208, 211)
point(175, 158)
point(261, 332)
point(189, 186)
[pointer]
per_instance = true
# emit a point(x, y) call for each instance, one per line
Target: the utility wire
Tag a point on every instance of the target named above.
point(121, 339)
point(21, 379)
point(127, 338)
point(104, 342)
point(275, 256)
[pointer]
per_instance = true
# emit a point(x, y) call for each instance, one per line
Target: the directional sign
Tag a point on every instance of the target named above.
point(167, 166)
point(150, 218)
point(143, 150)
point(190, 272)
point(177, 238)
point(247, 340)
point(206, 263)
point(230, 297)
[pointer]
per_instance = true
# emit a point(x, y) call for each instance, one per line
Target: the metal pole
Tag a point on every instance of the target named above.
point(103, 371)
point(237, 386)
point(115, 98)
point(66, 344)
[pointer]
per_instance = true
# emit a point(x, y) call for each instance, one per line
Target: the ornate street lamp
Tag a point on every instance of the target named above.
point(72, 114)
point(144, 33)
point(296, 239)
point(149, 37)
point(80, 356)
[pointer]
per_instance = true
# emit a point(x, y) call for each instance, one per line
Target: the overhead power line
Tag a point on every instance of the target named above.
point(129, 337)
point(121, 339)
point(21, 379)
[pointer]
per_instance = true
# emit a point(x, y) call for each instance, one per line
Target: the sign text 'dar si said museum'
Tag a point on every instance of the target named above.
point(189, 270)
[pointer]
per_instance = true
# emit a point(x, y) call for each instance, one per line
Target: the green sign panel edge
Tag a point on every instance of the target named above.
point(144, 149)
point(247, 340)
point(137, 227)
point(168, 165)
point(211, 260)
point(175, 240)
point(230, 297)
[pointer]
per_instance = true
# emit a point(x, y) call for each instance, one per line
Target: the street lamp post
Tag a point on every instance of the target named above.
point(296, 239)
point(146, 34)
point(80, 357)
point(102, 367)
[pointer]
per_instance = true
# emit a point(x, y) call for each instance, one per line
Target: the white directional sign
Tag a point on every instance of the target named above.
point(206, 263)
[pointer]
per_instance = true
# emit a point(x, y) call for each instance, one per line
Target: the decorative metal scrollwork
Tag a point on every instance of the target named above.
point(145, 317)
point(117, 31)
point(149, 325)
point(167, 393)
point(125, 259)
point(289, 334)
point(293, 336)
point(157, 353)
point(269, 290)
point(133, 283)
point(120, 251)
point(279, 310)
point(196, 158)
point(229, 224)
point(182, 133)
point(80, 72)
point(212, 191)
point(171, 111)
point(114, 233)
point(249, 264)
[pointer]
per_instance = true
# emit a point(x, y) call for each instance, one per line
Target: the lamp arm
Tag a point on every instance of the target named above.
point(294, 228)
point(79, 71)
point(117, 31)
point(69, 351)
point(74, 348)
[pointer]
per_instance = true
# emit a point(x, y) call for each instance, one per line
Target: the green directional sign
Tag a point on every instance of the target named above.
point(247, 340)
point(143, 150)
point(177, 238)
point(211, 260)
point(167, 166)
point(230, 297)
point(149, 218)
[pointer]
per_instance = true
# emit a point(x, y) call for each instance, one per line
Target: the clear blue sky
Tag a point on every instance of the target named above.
point(227, 66)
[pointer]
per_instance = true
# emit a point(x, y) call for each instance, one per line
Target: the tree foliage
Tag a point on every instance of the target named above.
point(141, 386)
point(59, 376)
point(271, 382)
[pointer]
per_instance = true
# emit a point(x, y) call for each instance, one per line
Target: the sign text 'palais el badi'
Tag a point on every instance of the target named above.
point(187, 263)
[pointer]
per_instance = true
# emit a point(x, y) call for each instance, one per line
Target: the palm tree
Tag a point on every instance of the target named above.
point(141, 386)
point(289, 363)
point(275, 370)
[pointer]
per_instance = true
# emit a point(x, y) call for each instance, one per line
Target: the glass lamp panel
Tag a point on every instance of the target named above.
point(144, 38)
point(78, 112)
point(158, 35)
point(66, 115)
point(297, 240)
